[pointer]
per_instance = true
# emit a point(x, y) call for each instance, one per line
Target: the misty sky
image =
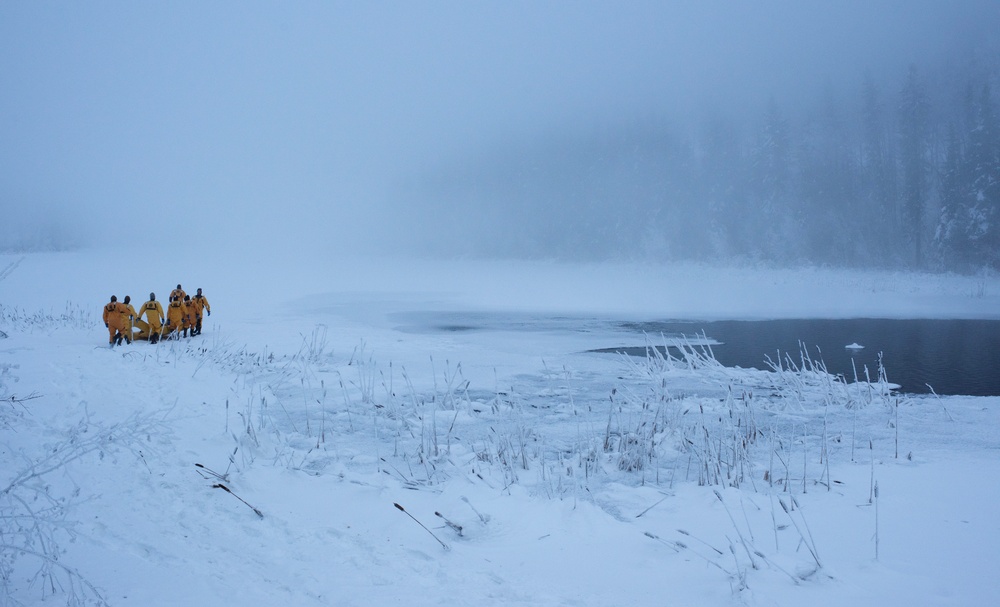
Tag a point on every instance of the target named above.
point(309, 119)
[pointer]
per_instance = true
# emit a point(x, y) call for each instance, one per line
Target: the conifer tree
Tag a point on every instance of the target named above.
point(913, 135)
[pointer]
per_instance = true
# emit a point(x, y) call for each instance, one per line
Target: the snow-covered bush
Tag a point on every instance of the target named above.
point(14, 320)
point(35, 503)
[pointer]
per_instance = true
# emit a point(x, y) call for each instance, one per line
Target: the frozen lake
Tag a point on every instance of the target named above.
point(920, 355)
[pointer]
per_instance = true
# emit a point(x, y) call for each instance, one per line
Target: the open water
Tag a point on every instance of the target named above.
point(921, 356)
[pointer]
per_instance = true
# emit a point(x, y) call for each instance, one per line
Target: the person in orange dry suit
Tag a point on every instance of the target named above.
point(130, 317)
point(154, 319)
point(199, 304)
point(115, 319)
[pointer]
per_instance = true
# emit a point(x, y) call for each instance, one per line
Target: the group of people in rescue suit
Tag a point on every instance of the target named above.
point(183, 314)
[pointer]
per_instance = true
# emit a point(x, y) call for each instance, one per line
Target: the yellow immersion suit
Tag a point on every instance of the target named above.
point(194, 306)
point(176, 316)
point(202, 301)
point(154, 319)
point(130, 317)
point(116, 318)
point(188, 314)
point(200, 304)
point(178, 293)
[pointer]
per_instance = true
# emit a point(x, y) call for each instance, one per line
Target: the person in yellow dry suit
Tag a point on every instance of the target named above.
point(130, 317)
point(188, 315)
point(115, 318)
point(154, 319)
point(199, 304)
point(178, 293)
point(176, 317)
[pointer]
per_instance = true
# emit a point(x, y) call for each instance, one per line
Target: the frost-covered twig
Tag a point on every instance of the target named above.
point(32, 517)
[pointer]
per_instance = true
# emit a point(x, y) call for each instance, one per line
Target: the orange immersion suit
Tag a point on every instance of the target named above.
point(154, 318)
point(178, 293)
point(116, 318)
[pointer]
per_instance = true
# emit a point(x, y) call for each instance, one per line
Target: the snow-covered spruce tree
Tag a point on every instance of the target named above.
point(768, 205)
point(719, 177)
point(950, 235)
point(878, 173)
point(829, 214)
point(983, 166)
point(968, 232)
point(913, 135)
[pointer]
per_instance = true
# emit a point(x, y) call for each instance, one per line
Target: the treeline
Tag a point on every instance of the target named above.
point(901, 178)
point(902, 174)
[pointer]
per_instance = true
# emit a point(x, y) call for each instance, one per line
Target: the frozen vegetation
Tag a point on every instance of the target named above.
point(329, 440)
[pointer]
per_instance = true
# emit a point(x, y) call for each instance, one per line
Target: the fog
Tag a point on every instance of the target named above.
point(550, 129)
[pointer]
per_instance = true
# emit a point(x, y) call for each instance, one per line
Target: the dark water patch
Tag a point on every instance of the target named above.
point(494, 322)
point(456, 328)
point(946, 356)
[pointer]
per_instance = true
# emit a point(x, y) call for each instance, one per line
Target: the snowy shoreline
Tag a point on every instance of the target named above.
point(680, 291)
point(577, 479)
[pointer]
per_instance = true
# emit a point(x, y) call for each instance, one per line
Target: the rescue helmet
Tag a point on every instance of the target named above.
point(127, 299)
point(178, 285)
point(113, 298)
point(152, 296)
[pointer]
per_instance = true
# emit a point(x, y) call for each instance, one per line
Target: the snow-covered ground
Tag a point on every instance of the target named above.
point(342, 401)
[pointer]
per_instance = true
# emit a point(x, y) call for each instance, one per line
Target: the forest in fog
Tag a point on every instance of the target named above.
point(896, 173)
point(856, 133)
